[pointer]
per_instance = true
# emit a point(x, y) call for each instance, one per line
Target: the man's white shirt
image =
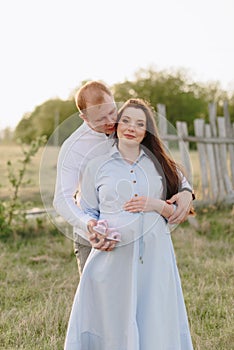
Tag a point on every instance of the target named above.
point(84, 144)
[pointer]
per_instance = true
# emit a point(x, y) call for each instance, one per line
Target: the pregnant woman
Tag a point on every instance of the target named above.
point(130, 298)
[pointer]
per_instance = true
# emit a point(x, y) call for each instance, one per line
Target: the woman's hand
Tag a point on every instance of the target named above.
point(138, 204)
point(144, 204)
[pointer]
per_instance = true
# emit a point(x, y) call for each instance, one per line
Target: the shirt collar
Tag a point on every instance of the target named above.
point(93, 132)
point(114, 152)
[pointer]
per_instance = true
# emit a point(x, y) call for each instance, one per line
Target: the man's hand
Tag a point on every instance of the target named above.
point(97, 240)
point(183, 201)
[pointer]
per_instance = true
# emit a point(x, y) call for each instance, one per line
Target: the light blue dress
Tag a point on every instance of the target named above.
point(129, 298)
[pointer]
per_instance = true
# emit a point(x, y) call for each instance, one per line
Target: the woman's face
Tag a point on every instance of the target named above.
point(132, 125)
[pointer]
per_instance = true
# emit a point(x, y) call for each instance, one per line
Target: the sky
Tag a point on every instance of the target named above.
point(48, 47)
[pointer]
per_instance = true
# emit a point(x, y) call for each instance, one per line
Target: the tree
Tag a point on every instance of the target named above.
point(42, 121)
point(184, 99)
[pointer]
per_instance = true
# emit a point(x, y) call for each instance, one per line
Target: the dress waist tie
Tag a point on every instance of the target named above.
point(141, 239)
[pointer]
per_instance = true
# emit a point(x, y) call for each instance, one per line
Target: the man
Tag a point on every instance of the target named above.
point(98, 110)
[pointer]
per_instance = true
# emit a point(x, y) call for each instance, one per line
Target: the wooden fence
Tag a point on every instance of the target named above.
point(215, 146)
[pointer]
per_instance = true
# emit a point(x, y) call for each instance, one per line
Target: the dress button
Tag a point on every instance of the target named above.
point(134, 181)
point(135, 195)
point(131, 171)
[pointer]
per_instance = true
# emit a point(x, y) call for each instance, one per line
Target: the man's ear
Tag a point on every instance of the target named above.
point(83, 116)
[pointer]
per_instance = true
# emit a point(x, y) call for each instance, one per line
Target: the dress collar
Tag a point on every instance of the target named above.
point(114, 152)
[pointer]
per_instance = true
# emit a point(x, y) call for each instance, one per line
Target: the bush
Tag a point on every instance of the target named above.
point(13, 211)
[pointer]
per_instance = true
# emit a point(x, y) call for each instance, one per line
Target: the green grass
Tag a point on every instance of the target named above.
point(43, 163)
point(39, 277)
point(38, 271)
point(205, 260)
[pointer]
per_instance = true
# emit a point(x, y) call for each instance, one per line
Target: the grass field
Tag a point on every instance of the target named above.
point(42, 168)
point(38, 271)
point(39, 278)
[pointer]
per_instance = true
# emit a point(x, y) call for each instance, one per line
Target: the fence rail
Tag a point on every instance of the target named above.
point(198, 139)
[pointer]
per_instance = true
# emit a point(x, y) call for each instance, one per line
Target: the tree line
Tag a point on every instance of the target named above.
point(184, 99)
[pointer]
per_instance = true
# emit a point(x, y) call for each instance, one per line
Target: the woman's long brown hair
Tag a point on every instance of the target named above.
point(153, 147)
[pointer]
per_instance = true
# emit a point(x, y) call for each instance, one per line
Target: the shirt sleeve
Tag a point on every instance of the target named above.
point(67, 184)
point(185, 183)
point(89, 200)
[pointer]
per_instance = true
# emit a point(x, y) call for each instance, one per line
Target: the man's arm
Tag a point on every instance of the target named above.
point(183, 201)
point(69, 176)
point(89, 203)
point(67, 182)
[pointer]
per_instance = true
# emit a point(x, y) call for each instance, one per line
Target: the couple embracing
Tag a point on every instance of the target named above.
point(129, 189)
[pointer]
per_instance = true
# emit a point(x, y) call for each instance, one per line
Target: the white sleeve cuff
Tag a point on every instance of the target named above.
point(84, 222)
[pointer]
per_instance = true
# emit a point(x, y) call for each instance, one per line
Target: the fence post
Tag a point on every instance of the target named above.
point(199, 131)
point(229, 133)
point(212, 117)
point(162, 122)
point(214, 189)
point(182, 130)
point(223, 155)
